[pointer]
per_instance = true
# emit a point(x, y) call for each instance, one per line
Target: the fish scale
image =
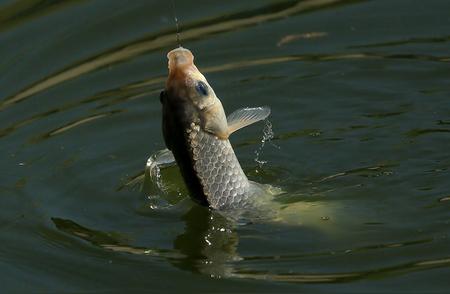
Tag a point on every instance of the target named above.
point(215, 163)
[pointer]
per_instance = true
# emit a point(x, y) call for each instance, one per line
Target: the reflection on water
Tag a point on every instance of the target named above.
point(208, 245)
point(209, 242)
point(291, 38)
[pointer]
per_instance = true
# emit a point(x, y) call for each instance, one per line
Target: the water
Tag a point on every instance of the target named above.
point(359, 94)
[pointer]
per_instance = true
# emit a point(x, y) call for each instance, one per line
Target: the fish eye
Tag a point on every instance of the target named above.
point(201, 88)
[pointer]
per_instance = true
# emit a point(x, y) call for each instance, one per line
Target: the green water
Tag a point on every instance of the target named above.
point(359, 92)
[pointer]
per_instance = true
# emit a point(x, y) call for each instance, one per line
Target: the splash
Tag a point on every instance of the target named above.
point(268, 135)
point(155, 163)
point(153, 182)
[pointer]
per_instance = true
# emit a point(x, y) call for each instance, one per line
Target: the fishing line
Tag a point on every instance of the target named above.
point(176, 23)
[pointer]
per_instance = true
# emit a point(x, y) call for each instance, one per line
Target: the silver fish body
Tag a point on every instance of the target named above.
point(219, 171)
point(198, 139)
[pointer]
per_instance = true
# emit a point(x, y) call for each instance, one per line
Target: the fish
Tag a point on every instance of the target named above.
point(196, 130)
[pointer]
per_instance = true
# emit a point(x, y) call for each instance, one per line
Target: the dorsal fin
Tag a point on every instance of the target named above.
point(246, 116)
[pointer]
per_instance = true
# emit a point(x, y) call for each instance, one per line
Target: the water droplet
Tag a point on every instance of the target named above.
point(268, 135)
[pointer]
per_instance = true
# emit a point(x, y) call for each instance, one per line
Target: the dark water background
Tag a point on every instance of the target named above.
point(359, 92)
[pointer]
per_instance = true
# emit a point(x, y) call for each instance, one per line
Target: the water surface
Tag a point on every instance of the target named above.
point(359, 94)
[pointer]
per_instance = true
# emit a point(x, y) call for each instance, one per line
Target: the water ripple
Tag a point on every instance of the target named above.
point(128, 92)
point(224, 261)
point(74, 124)
point(420, 132)
point(342, 252)
point(24, 11)
point(344, 277)
point(162, 40)
point(382, 168)
point(425, 40)
point(136, 88)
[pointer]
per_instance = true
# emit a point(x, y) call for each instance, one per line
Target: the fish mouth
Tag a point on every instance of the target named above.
point(179, 59)
point(182, 71)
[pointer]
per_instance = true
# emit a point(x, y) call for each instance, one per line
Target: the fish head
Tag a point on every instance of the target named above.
point(186, 82)
point(188, 90)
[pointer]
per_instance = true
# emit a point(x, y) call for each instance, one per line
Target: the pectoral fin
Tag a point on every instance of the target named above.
point(215, 121)
point(246, 116)
point(217, 127)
